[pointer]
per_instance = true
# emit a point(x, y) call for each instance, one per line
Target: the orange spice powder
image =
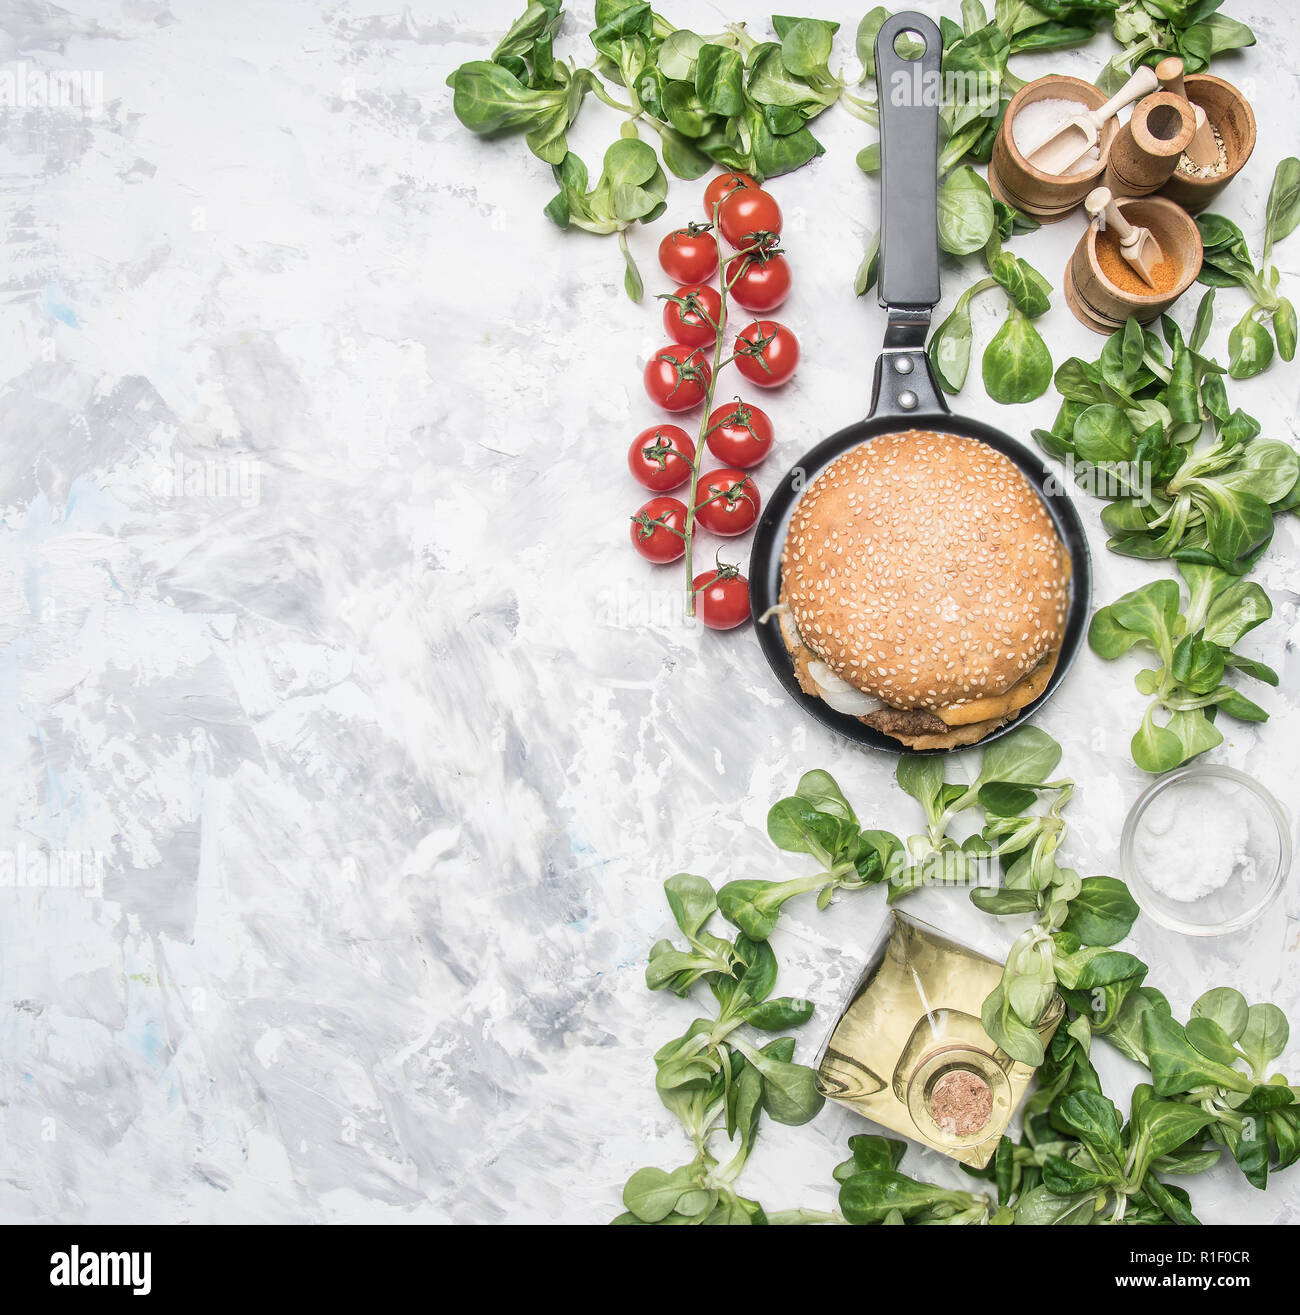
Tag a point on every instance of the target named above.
point(1118, 271)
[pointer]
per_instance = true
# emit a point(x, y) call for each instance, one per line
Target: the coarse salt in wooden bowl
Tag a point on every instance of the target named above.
point(1016, 182)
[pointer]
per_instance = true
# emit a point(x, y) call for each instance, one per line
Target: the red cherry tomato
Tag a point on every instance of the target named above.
point(749, 217)
point(689, 255)
point(721, 598)
point(726, 502)
point(739, 435)
point(658, 529)
point(677, 377)
point(766, 353)
point(759, 282)
point(692, 316)
point(660, 458)
point(724, 185)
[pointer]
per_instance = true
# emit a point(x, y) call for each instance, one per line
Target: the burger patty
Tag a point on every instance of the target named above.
point(914, 728)
point(906, 721)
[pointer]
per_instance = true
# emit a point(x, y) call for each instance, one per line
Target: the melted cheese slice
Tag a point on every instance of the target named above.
point(997, 706)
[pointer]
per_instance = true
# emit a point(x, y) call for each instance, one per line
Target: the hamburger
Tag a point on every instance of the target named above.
point(924, 588)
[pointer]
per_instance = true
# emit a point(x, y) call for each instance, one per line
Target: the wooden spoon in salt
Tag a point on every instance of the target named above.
point(1067, 144)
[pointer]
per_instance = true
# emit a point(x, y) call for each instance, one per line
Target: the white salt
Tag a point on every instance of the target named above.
point(1035, 122)
point(1194, 840)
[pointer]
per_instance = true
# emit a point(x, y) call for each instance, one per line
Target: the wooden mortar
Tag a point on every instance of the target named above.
point(1102, 306)
point(1016, 182)
point(1230, 112)
point(1146, 149)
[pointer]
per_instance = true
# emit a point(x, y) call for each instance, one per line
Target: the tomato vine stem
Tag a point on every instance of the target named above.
point(718, 363)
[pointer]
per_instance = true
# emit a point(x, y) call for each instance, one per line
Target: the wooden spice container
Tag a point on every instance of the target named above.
point(1146, 149)
point(1102, 304)
point(1014, 181)
point(1230, 112)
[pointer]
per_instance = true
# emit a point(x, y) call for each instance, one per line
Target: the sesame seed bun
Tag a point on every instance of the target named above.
point(923, 569)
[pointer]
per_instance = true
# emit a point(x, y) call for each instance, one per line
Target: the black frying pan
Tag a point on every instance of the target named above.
point(905, 395)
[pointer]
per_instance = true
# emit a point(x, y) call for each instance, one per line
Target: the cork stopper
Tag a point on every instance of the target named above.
point(961, 1102)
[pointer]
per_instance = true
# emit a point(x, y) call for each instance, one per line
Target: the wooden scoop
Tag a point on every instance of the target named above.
point(1066, 145)
point(1202, 149)
point(1136, 244)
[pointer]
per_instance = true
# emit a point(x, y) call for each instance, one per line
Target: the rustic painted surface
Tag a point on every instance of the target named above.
point(321, 639)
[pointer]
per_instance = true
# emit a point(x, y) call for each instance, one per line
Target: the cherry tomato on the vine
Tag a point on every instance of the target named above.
point(724, 185)
point(758, 281)
point(739, 435)
point(766, 353)
point(659, 530)
point(726, 501)
point(690, 254)
point(691, 314)
point(749, 217)
point(677, 377)
point(721, 598)
point(660, 458)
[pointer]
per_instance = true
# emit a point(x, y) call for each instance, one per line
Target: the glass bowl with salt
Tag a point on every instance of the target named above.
point(1205, 850)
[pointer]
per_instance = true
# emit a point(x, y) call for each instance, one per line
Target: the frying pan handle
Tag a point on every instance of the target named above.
point(904, 384)
point(907, 93)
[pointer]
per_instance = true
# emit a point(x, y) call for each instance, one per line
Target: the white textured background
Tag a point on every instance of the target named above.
point(386, 763)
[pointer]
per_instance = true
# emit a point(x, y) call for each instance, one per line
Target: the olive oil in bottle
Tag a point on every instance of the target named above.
point(910, 1051)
